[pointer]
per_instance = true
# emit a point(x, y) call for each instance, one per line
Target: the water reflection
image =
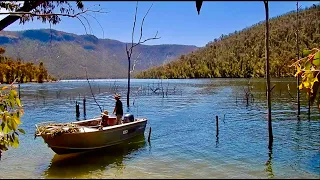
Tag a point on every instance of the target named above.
point(269, 169)
point(80, 165)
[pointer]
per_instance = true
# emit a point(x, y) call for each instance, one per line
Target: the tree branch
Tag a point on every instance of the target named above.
point(134, 63)
point(91, 89)
point(141, 31)
point(145, 41)
point(21, 13)
point(129, 51)
point(82, 24)
point(98, 23)
point(134, 26)
point(87, 22)
point(77, 15)
point(5, 22)
point(143, 21)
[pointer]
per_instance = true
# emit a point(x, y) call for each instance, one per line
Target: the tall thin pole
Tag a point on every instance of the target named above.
point(297, 39)
point(128, 92)
point(268, 75)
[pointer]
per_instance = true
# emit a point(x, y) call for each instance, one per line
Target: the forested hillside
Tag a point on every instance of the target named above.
point(66, 55)
point(16, 70)
point(242, 53)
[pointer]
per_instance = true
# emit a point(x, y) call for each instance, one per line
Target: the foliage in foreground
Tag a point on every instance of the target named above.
point(308, 68)
point(10, 113)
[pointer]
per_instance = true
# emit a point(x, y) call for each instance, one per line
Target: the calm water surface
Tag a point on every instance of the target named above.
point(183, 140)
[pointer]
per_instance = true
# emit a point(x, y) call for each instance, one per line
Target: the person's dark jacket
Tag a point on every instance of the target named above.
point(119, 109)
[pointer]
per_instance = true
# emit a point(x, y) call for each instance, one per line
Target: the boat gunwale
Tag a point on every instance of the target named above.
point(137, 120)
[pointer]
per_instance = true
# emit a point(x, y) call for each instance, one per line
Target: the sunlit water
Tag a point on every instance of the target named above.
point(184, 141)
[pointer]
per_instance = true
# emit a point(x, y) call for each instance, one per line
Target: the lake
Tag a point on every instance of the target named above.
point(183, 139)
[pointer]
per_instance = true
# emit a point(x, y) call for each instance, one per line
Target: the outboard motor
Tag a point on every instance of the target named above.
point(128, 118)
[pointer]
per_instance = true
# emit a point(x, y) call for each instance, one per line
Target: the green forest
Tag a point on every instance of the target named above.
point(242, 53)
point(16, 69)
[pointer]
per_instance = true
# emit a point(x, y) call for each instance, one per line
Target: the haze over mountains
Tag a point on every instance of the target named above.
point(66, 55)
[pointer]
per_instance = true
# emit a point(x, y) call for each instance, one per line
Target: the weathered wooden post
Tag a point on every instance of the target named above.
point(149, 135)
point(84, 106)
point(217, 125)
point(77, 110)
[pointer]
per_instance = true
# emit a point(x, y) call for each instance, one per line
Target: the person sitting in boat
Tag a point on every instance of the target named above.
point(118, 110)
point(104, 119)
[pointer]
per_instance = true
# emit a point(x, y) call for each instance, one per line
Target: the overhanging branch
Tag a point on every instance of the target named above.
point(5, 22)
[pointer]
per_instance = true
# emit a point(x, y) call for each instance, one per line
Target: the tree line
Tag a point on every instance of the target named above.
point(22, 72)
point(241, 54)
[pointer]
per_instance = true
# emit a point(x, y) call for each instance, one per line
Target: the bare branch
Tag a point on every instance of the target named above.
point(134, 26)
point(143, 22)
point(21, 13)
point(82, 24)
point(144, 41)
point(129, 51)
point(134, 63)
point(91, 89)
point(87, 23)
point(98, 23)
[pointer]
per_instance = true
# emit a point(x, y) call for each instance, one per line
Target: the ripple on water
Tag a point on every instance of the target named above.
point(183, 141)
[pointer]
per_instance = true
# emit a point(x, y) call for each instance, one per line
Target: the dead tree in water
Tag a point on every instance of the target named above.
point(266, 6)
point(130, 49)
point(297, 40)
point(268, 75)
point(248, 95)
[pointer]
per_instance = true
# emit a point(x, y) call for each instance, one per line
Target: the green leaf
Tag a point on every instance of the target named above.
point(17, 119)
point(2, 126)
point(2, 107)
point(11, 138)
point(11, 102)
point(15, 142)
point(22, 131)
point(10, 123)
point(316, 59)
point(307, 65)
point(14, 124)
point(6, 129)
point(13, 93)
point(306, 52)
point(18, 102)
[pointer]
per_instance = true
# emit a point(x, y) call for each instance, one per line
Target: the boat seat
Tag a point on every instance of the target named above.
point(87, 129)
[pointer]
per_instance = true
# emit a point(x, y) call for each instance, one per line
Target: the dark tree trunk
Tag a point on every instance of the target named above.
point(297, 39)
point(128, 93)
point(268, 75)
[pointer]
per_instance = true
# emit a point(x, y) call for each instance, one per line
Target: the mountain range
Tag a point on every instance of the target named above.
point(66, 55)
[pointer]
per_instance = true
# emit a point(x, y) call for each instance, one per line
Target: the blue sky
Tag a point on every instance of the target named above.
point(177, 22)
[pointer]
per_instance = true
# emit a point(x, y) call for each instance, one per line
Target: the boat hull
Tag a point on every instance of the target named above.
point(94, 139)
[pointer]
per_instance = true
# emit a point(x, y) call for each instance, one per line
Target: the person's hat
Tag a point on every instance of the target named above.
point(105, 113)
point(117, 96)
